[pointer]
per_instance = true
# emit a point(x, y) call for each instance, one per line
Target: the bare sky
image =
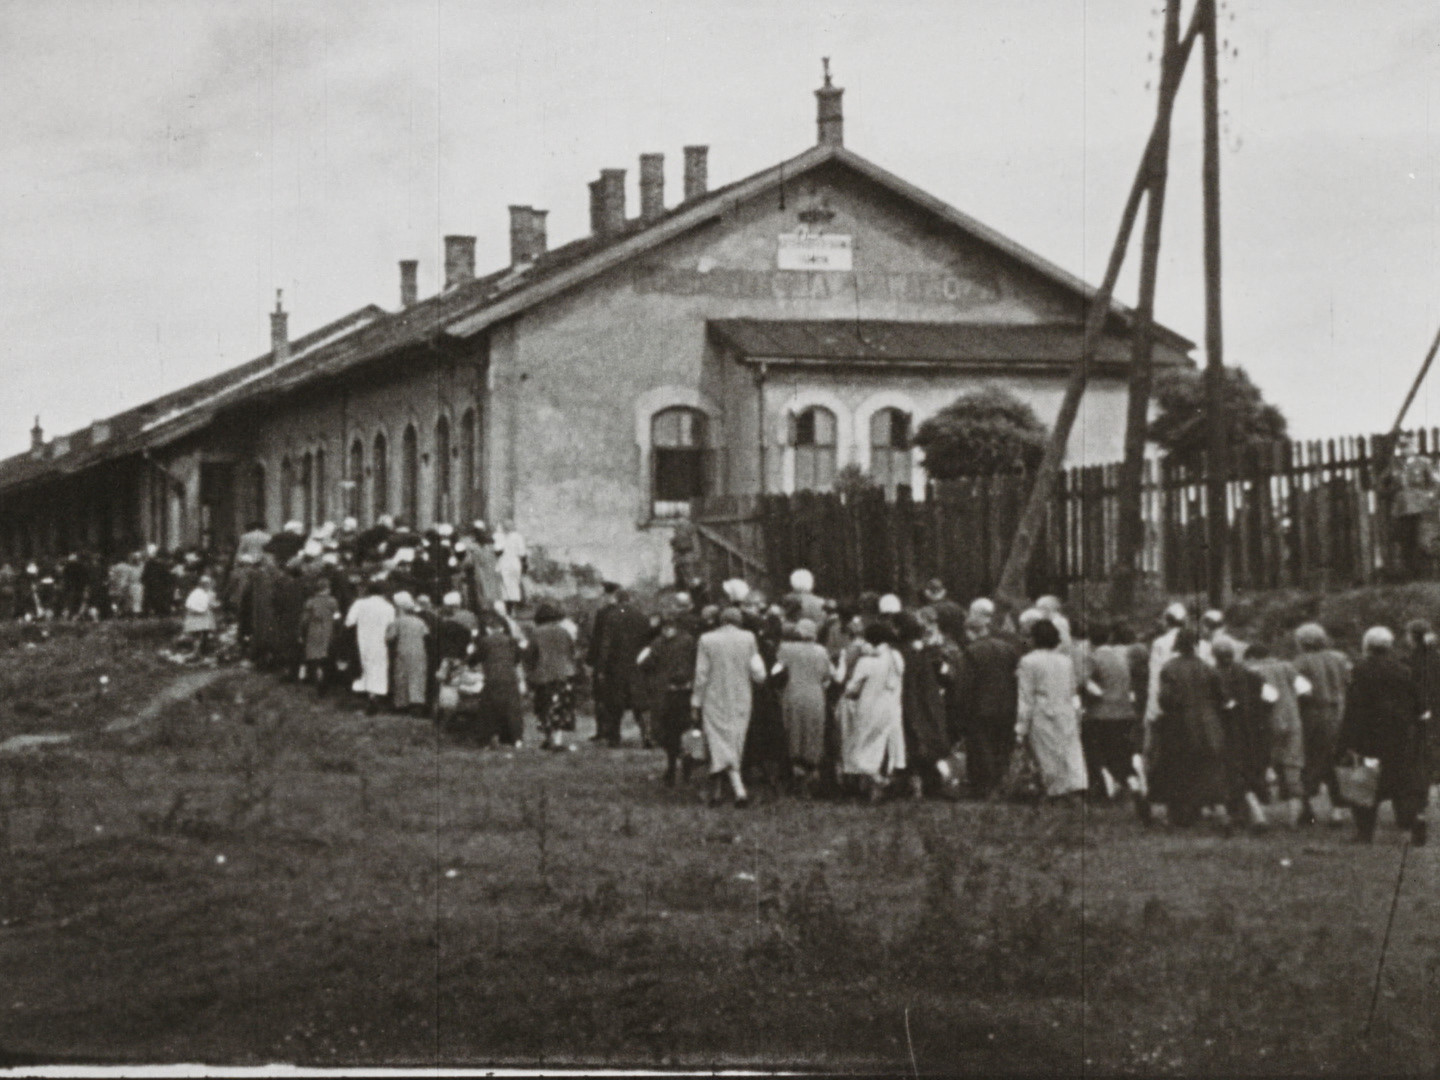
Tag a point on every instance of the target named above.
point(169, 163)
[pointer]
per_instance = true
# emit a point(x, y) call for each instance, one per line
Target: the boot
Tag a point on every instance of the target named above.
point(1419, 832)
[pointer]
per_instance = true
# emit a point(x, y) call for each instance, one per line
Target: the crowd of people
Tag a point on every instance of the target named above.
point(870, 698)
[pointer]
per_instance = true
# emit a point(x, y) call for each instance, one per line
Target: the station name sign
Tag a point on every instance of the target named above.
point(915, 287)
point(807, 250)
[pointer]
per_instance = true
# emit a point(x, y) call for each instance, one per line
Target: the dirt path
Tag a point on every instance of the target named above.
point(186, 685)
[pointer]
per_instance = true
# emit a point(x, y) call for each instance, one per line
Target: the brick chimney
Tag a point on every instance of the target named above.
point(612, 201)
point(652, 187)
point(597, 201)
point(527, 235)
point(829, 117)
point(459, 260)
point(409, 285)
point(696, 179)
point(37, 438)
point(279, 333)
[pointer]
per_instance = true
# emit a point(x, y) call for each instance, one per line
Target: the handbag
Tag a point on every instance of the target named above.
point(1358, 781)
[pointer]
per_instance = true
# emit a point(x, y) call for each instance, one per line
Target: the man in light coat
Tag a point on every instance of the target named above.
point(727, 667)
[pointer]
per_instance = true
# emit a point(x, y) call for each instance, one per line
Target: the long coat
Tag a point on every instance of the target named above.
point(317, 626)
point(1287, 734)
point(923, 703)
point(408, 633)
point(1046, 717)
point(1383, 720)
point(1245, 718)
point(873, 735)
point(802, 702)
point(371, 617)
point(1189, 741)
point(727, 665)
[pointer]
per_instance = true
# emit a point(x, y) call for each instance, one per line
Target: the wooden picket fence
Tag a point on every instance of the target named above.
point(1309, 515)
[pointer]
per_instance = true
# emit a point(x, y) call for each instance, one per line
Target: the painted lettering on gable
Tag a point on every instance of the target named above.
point(913, 286)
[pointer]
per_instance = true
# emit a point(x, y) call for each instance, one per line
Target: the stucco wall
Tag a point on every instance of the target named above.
point(582, 374)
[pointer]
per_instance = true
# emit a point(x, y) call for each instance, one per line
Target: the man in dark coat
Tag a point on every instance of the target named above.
point(988, 691)
point(1384, 720)
point(158, 581)
point(619, 639)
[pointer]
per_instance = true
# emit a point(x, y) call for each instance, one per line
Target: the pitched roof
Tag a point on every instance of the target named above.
point(370, 334)
point(873, 341)
point(131, 430)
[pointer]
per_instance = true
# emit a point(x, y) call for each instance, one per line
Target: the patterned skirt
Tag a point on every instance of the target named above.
point(555, 706)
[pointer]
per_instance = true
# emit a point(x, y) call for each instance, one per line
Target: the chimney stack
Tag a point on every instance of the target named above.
point(612, 201)
point(696, 180)
point(596, 208)
point(459, 260)
point(829, 118)
point(652, 187)
point(409, 286)
point(279, 333)
point(527, 235)
point(37, 437)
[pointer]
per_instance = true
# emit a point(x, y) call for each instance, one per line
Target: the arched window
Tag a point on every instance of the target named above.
point(677, 459)
point(379, 479)
point(890, 449)
point(322, 495)
point(287, 491)
point(307, 490)
point(812, 434)
point(257, 494)
point(355, 481)
point(410, 477)
point(443, 506)
point(469, 468)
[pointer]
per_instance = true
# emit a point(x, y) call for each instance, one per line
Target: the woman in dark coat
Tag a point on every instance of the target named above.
point(922, 705)
point(1189, 770)
point(1383, 719)
point(1245, 718)
point(669, 661)
point(501, 707)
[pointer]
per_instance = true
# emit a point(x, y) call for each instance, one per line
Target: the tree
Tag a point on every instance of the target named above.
point(1180, 426)
point(986, 431)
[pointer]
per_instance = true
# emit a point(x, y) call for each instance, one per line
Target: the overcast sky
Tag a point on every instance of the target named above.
point(169, 163)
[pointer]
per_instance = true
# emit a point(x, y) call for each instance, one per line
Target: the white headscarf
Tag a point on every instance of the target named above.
point(802, 581)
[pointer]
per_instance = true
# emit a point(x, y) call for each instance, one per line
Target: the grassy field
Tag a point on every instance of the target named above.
point(255, 876)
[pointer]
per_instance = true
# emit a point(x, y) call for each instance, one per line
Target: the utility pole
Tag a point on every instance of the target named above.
point(1218, 470)
point(1011, 586)
point(1130, 537)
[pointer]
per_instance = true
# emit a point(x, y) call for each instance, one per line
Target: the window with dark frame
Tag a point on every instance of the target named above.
point(355, 489)
point(287, 491)
point(410, 476)
point(813, 438)
point(890, 449)
point(442, 469)
point(678, 446)
point(380, 479)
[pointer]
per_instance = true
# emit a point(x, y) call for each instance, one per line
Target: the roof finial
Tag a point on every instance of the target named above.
point(825, 60)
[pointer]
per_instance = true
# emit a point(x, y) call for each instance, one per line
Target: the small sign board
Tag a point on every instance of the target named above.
point(805, 250)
